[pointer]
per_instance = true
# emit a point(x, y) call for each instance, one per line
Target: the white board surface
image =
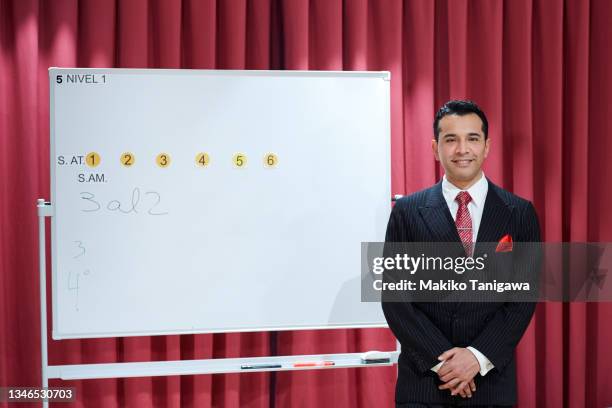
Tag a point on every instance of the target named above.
point(145, 250)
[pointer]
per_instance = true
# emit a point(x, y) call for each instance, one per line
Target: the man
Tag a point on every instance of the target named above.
point(459, 353)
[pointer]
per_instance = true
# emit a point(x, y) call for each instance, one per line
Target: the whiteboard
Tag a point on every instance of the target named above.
point(164, 245)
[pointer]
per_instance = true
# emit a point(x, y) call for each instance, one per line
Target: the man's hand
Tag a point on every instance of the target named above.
point(459, 368)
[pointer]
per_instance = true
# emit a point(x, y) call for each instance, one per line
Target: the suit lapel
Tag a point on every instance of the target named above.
point(495, 217)
point(438, 218)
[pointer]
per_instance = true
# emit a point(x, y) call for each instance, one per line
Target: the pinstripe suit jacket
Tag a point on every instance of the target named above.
point(426, 330)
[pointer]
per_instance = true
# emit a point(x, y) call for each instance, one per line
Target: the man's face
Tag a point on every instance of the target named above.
point(461, 148)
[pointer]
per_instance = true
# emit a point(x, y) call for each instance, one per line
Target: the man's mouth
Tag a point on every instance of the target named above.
point(462, 162)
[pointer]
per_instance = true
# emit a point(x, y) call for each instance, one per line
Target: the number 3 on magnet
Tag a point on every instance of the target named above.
point(163, 160)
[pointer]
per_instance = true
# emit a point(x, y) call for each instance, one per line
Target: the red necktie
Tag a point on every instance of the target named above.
point(463, 221)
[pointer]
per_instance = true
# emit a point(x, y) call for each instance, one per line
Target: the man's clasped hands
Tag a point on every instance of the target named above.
point(458, 371)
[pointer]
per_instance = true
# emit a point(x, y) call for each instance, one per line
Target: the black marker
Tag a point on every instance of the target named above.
point(259, 366)
point(376, 361)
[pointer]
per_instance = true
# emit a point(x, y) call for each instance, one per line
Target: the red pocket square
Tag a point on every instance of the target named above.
point(504, 244)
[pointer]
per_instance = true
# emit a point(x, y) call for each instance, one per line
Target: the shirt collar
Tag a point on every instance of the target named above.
point(478, 191)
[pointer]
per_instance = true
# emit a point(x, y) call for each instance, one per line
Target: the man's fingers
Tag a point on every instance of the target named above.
point(451, 384)
point(465, 392)
point(461, 386)
point(447, 377)
point(445, 369)
point(447, 354)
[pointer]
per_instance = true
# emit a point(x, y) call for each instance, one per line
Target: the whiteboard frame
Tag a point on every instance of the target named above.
point(383, 75)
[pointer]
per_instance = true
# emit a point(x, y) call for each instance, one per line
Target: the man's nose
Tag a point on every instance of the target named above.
point(462, 147)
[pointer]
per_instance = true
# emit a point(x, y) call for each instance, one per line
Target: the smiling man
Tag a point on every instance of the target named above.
point(458, 354)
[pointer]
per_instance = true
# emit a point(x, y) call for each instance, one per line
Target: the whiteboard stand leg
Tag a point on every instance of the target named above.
point(44, 210)
point(398, 347)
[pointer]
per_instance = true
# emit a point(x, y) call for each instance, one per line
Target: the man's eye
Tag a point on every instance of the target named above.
point(449, 140)
point(474, 139)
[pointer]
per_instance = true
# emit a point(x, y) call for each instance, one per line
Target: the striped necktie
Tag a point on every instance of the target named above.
point(463, 221)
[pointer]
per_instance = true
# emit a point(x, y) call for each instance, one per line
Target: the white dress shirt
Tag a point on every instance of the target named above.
point(478, 192)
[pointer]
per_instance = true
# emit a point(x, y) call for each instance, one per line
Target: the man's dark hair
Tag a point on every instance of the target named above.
point(459, 107)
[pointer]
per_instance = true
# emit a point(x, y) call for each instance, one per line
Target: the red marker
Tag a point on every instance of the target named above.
point(314, 364)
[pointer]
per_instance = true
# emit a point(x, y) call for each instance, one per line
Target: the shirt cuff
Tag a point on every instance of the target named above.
point(485, 364)
point(437, 367)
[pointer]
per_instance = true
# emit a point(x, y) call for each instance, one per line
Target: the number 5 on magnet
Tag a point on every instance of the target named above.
point(239, 160)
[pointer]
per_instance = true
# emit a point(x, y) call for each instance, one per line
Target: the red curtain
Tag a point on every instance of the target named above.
point(539, 68)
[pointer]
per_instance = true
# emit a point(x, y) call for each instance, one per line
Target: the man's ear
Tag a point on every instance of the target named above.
point(487, 147)
point(434, 147)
